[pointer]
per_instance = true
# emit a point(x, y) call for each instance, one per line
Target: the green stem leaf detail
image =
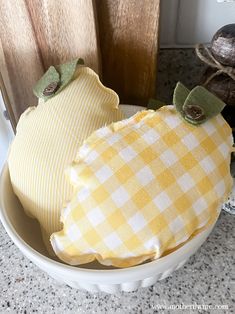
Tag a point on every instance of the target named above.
point(198, 105)
point(59, 75)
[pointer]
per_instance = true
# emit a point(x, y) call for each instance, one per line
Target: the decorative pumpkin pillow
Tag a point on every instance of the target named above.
point(145, 185)
point(73, 103)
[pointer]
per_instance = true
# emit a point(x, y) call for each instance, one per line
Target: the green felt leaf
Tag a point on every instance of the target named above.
point(210, 103)
point(155, 104)
point(61, 74)
point(200, 97)
point(67, 71)
point(50, 76)
point(179, 96)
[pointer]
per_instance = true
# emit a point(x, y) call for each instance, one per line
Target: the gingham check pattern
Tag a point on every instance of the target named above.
point(144, 186)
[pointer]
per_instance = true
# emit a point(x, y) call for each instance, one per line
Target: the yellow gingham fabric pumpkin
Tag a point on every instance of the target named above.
point(47, 140)
point(143, 186)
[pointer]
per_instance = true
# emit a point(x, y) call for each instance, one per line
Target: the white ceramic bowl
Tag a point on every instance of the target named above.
point(26, 235)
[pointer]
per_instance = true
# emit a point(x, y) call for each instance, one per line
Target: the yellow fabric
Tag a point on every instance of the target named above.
point(47, 140)
point(143, 186)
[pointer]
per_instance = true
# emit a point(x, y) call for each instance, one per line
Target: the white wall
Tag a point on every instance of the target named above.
point(187, 22)
point(6, 134)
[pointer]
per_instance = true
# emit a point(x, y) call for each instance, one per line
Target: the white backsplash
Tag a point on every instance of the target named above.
point(6, 134)
point(187, 22)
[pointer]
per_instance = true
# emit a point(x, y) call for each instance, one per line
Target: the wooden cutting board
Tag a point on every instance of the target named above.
point(128, 32)
point(21, 63)
point(121, 36)
point(65, 29)
point(36, 34)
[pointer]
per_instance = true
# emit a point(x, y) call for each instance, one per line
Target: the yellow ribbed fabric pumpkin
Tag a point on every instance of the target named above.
point(47, 140)
point(144, 186)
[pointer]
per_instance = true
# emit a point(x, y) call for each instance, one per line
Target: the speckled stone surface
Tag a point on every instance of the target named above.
point(207, 278)
point(177, 65)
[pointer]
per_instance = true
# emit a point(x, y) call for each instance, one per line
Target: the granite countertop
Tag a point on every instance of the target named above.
point(206, 279)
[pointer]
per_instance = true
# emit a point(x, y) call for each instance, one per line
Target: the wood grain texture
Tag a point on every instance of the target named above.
point(20, 60)
point(65, 30)
point(128, 31)
point(38, 33)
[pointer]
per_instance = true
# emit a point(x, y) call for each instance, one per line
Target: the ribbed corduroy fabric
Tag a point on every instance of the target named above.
point(47, 140)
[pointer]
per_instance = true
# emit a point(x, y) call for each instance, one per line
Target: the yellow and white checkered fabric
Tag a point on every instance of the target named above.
point(143, 186)
point(47, 140)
